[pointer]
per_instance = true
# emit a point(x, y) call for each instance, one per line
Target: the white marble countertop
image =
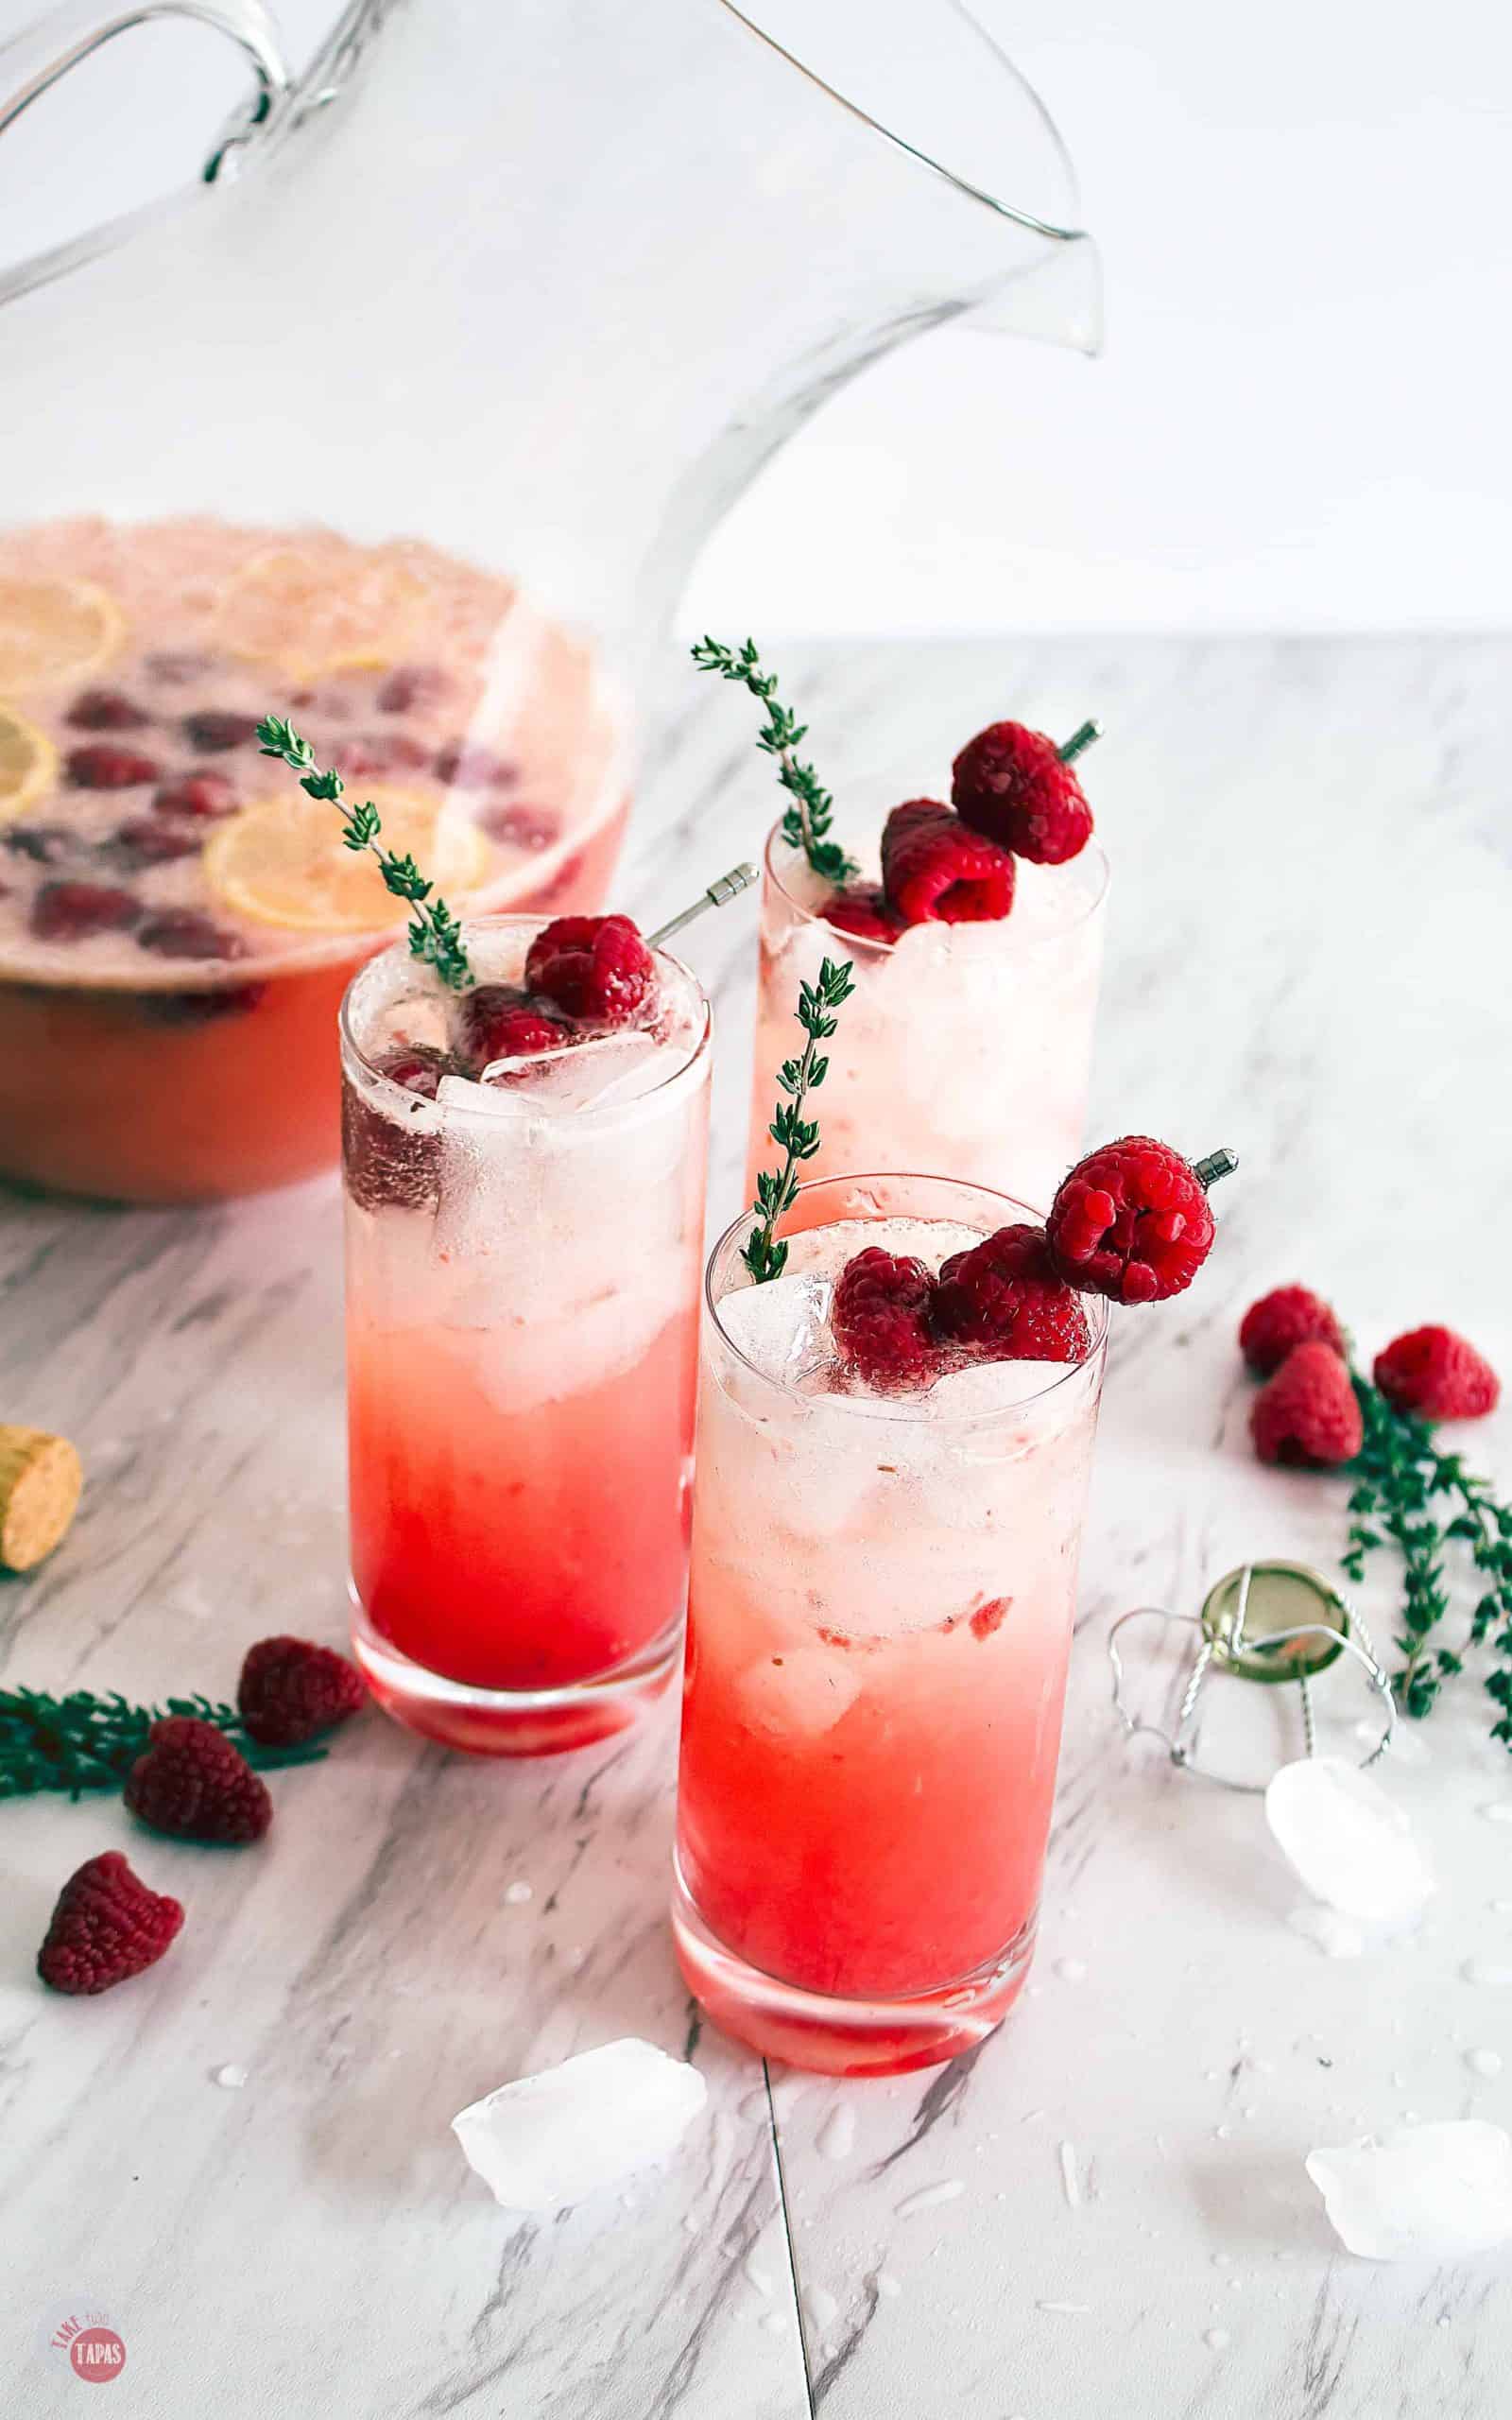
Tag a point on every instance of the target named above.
point(1312, 870)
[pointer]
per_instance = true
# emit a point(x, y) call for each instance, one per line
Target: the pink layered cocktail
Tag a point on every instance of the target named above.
point(523, 1233)
point(968, 1046)
point(173, 943)
point(881, 1606)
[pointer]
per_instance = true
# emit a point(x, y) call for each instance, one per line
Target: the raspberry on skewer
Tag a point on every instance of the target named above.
point(1018, 788)
point(1131, 1220)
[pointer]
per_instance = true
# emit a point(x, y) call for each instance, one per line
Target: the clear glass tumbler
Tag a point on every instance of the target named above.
point(967, 1048)
point(880, 1617)
point(522, 1303)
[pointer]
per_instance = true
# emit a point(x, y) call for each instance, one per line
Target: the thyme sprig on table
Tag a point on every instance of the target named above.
point(82, 1742)
point(795, 1137)
point(1411, 1495)
point(806, 823)
point(436, 934)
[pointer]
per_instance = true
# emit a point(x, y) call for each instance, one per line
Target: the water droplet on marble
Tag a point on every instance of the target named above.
point(1484, 2063)
point(1498, 1810)
point(1217, 2340)
point(230, 2079)
point(887, 2286)
point(517, 1894)
point(1070, 1970)
point(821, 2307)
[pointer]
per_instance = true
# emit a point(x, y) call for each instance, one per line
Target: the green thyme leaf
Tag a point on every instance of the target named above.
point(436, 934)
point(806, 823)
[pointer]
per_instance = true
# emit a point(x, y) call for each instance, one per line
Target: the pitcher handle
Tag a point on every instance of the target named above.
point(34, 59)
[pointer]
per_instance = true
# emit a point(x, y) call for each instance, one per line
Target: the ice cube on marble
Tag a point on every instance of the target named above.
point(548, 2142)
point(1349, 1844)
point(1426, 2192)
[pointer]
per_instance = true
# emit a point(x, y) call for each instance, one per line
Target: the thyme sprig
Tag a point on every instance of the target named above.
point(806, 823)
point(434, 935)
point(795, 1137)
point(1411, 1495)
point(82, 1742)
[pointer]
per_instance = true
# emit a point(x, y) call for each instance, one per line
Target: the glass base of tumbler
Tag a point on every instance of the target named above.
point(843, 2037)
point(514, 1722)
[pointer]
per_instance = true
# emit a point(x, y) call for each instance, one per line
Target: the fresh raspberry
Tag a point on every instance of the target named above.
point(46, 844)
point(465, 766)
point(410, 686)
point(371, 754)
point(182, 932)
point(106, 1926)
point(106, 710)
point(934, 870)
point(214, 728)
point(76, 911)
point(1434, 1372)
point(1132, 1222)
point(417, 1067)
point(146, 843)
point(1288, 1315)
point(861, 910)
point(203, 795)
point(1010, 783)
point(522, 827)
point(592, 966)
point(195, 1784)
point(1308, 1413)
point(100, 767)
point(499, 1022)
point(880, 1318)
point(1003, 1298)
point(290, 1689)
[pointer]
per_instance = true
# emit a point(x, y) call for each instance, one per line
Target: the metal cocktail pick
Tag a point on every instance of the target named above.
point(719, 894)
point(1269, 1622)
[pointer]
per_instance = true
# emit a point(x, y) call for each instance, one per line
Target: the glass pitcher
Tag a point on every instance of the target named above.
point(408, 424)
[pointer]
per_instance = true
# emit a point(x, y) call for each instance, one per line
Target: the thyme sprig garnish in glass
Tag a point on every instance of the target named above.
point(1409, 1493)
point(806, 823)
point(82, 1742)
point(435, 934)
point(795, 1137)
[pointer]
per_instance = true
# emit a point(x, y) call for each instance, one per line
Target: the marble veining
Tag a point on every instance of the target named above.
point(1312, 888)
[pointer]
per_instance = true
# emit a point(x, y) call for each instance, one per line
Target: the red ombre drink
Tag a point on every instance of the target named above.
point(521, 1285)
point(880, 1617)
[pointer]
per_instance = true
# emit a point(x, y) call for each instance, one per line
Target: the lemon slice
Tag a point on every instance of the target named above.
point(29, 763)
point(283, 861)
point(53, 630)
point(327, 607)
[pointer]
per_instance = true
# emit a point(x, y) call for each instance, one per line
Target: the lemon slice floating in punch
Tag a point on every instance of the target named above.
point(283, 861)
point(53, 630)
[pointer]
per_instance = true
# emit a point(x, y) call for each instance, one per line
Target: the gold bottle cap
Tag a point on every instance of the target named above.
point(1275, 1621)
